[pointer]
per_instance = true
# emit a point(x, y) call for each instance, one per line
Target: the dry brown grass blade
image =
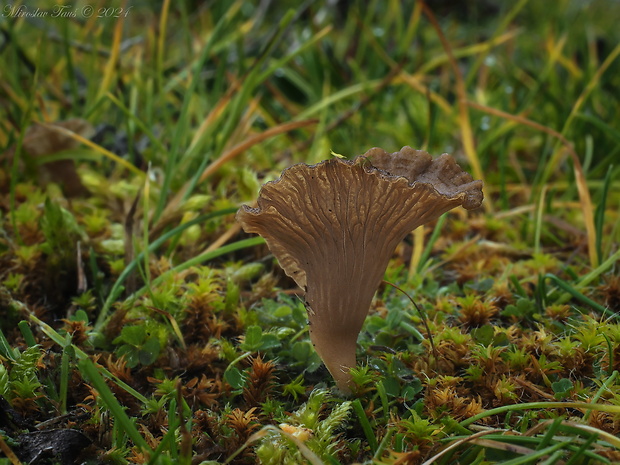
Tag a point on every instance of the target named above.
point(4, 447)
point(114, 55)
point(218, 109)
point(173, 206)
point(161, 40)
point(97, 148)
point(464, 122)
point(605, 436)
point(251, 141)
point(506, 447)
point(460, 442)
point(220, 241)
point(242, 129)
point(82, 282)
point(215, 112)
point(415, 82)
point(418, 247)
point(582, 186)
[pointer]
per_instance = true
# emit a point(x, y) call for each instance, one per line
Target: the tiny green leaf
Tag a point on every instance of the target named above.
point(253, 338)
point(235, 377)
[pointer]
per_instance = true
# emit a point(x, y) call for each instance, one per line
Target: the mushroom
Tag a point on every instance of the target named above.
point(333, 227)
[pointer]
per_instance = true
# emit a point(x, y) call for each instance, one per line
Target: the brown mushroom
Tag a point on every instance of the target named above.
point(333, 227)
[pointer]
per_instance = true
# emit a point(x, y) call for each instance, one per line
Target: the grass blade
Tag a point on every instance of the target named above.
point(368, 432)
point(88, 368)
point(599, 215)
point(116, 288)
point(245, 243)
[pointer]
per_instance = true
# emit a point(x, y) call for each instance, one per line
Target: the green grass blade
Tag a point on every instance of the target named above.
point(81, 355)
point(578, 456)
point(599, 215)
point(117, 286)
point(363, 419)
point(6, 350)
point(245, 243)
point(431, 242)
point(572, 291)
point(534, 458)
point(68, 355)
point(181, 129)
point(595, 273)
point(27, 333)
point(88, 368)
point(540, 405)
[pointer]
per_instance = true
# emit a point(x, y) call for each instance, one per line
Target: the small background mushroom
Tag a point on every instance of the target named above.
point(333, 227)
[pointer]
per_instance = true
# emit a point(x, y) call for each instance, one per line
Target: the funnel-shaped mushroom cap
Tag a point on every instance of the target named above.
point(333, 227)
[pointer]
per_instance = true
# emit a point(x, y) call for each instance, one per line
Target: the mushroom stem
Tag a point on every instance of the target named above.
point(337, 350)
